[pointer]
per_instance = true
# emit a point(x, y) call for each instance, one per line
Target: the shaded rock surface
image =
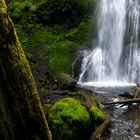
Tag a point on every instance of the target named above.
point(66, 82)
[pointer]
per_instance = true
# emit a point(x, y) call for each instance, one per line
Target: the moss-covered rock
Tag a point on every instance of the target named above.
point(66, 82)
point(62, 114)
point(69, 120)
point(97, 115)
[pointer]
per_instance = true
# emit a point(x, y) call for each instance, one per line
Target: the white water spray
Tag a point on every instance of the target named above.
point(110, 60)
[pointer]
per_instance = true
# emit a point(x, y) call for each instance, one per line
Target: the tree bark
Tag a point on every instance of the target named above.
point(21, 113)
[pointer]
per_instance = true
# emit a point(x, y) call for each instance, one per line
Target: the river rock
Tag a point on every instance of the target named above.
point(66, 82)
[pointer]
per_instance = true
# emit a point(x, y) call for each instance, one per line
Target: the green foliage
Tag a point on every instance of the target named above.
point(62, 10)
point(63, 48)
point(55, 43)
point(16, 9)
point(22, 11)
point(69, 119)
point(80, 32)
point(61, 43)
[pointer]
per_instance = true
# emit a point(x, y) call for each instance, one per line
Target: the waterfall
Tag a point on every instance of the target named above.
point(111, 59)
point(132, 52)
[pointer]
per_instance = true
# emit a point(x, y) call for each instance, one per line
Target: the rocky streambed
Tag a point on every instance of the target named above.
point(124, 125)
point(124, 122)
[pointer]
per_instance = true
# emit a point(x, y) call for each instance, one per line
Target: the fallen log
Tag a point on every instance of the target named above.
point(60, 92)
point(129, 101)
point(97, 135)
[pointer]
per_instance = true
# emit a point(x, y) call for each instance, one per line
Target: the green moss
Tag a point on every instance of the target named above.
point(73, 94)
point(96, 100)
point(44, 91)
point(69, 119)
point(97, 115)
point(61, 57)
point(47, 108)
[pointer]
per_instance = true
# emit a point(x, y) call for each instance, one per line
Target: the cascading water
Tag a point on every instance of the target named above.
point(132, 51)
point(113, 65)
point(111, 60)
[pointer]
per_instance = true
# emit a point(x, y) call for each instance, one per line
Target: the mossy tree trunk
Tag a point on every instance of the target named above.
point(21, 114)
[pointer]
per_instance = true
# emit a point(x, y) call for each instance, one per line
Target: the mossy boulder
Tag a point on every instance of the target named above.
point(98, 117)
point(66, 82)
point(69, 120)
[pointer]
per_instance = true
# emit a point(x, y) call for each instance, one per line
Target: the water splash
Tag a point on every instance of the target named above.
point(110, 60)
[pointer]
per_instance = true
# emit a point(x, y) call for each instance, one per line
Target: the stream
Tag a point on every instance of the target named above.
point(115, 57)
point(124, 124)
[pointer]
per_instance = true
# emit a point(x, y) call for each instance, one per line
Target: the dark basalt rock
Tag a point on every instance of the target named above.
point(66, 82)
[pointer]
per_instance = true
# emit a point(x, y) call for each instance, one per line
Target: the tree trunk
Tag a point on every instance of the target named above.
point(21, 113)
